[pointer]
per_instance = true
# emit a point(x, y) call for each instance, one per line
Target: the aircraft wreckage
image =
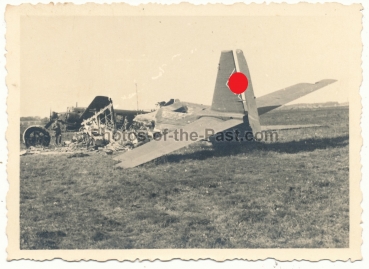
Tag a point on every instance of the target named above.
point(228, 110)
point(99, 115)
point(95, 125)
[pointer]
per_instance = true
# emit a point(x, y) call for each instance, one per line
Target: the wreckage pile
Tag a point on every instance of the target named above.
point(94, 141)
point(69, 147)
point(99, 133)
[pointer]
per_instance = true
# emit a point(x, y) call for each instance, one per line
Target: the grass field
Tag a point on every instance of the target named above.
point(293, 193)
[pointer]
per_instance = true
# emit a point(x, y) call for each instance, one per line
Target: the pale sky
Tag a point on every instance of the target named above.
point(65, 60)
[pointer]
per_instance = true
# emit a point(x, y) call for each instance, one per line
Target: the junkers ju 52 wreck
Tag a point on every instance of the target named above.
point(228, 110)
point(100, 112)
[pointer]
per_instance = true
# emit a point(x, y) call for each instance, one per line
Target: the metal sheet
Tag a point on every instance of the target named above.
point(223, 99)
point(155, 149)
point(287, 127)
point(276, 99)
point(252, 109)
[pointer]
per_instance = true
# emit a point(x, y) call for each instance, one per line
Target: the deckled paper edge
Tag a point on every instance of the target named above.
point(12, 16)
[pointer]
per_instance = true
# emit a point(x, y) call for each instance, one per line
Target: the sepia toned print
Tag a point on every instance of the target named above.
point(161, 132)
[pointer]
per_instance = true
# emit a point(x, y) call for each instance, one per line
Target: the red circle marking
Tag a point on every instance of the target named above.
point(238, 83)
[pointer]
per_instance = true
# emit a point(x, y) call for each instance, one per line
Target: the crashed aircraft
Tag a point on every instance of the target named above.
point(228, 110)
point(100, 113)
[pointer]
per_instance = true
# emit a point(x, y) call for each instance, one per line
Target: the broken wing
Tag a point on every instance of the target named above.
point(155, 149)
point(96, 105)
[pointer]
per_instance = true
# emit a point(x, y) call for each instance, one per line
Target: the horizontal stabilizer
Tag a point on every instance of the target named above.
point(279, 98)
point(287, 127)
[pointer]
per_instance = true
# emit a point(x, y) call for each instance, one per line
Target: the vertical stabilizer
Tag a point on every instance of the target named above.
point(252, 109)
point(223, 99)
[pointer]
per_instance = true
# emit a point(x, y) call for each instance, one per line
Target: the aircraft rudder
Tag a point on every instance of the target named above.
point(251, 107)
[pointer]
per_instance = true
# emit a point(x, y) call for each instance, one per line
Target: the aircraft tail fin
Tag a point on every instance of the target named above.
point(251, 107)
point(223, 99)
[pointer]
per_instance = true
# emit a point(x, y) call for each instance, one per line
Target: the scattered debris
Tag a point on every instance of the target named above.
point(99, 134)
point(78, 154)
point(99, 114)
point(67, 143)
point(109, 151)
point(31, 150)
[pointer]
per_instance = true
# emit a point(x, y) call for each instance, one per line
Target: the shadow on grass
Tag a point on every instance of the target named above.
point(233, 148)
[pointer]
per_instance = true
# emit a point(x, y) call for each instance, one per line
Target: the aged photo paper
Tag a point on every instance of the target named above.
point(180, 131)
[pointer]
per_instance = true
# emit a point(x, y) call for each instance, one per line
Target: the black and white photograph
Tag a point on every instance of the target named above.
point(199, 130)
